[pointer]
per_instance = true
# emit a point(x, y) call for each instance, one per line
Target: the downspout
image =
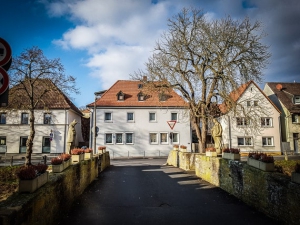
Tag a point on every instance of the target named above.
point(91, 126)
point(281, 148)
point(229, 131)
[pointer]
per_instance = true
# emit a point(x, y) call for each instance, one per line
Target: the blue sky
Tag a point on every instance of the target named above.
point(101, 41)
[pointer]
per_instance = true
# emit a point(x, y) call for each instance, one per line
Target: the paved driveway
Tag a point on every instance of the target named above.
point(144, 191)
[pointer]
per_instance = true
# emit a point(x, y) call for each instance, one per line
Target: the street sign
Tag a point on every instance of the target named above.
point(5, 52)
point(4, 80)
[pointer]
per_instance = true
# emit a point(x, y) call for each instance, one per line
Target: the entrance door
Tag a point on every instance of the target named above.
point(295, 139)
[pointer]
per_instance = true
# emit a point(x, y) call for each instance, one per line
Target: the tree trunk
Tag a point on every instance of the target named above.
point(29, 142)
point(196, 125)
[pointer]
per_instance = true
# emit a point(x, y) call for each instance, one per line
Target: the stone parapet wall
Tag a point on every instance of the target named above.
point(49, 203)
point(270, 192)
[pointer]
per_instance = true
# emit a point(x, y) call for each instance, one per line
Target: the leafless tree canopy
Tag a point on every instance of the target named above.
point(204, 60)
point(33, 78)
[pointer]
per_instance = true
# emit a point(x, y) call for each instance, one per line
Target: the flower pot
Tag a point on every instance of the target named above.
point(211, 154)
point(28, 185)
point(66, 163)
point(296, 177)
point(231, 156)
point(42, 179)
point(101, 151)
point(77, 158)
point(57, 168)
point(253, 162)
point(268, 167)
point(88, 155)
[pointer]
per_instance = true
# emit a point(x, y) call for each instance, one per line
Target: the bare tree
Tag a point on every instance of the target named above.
point(33, 77)
point(204, 60)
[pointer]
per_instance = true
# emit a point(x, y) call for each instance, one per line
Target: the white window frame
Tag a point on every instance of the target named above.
point(297, 99)
point(167, 138)
point(155, 120)
point(122, 136)
point(295, 118)
point(129, 143)
point(267, 141)
point(111, 117)
point(175, 142)
point(155, 142)
point(176, 115)
point(105, 138)
point(243, 120)
point(130, 121)
point(47, 118)
point(244, 141)
point(264, 121)
point(23, 118)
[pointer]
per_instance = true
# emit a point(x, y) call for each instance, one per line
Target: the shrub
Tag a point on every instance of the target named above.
point(261, 157)
point(101, 148)
point(26, 173)
point(176, 146)
point(231, 150)
point(56, 161)
point(77, 151)
point(88, 150)
point(182, 146)
point(65, 156)
point(41, 168)
point(254, 155)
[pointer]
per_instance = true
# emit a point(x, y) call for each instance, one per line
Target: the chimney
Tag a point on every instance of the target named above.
point(279, 87)
point(145, 78)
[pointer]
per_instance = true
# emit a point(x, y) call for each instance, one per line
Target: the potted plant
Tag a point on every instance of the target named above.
point(210, 152)
point(101, 149)
point(88, 153)
point(77, 155)
point(176, 147)
point(183, 148)
point(32, 177)
point(231, 153)
point(296, 174)
point(261, 161)
point(57, 164)
point(66, 160)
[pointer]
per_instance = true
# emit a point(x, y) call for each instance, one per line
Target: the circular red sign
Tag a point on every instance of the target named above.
point(7, 51)
point(5, 81)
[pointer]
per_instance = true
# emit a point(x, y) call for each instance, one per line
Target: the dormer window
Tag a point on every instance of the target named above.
point(140, 86)
point(141, 96)
point(297, 99)
point(120, 96)
point(162, 97)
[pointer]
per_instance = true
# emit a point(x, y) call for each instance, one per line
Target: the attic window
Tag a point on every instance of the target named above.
point(120, 96)
point(297, 99)
point(140, 86)
point(141, 96)
point(162, 97)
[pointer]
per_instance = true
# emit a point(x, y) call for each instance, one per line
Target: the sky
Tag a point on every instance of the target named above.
point(102, 41)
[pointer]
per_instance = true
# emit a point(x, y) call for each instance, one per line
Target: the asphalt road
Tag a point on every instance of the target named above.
point(144, 191)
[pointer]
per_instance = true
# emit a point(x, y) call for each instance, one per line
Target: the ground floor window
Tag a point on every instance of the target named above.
point(267, 141)
point(164, 138)
point(175, 138)
point(46, 145)
point(108, 138)
point(3, 144)
point(119, 138)
point(129, 138)
point(23, 141)
point(244, 141)
point(153, 138)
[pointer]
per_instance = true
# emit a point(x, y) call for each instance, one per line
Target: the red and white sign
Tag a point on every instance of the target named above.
point(5, 52)
point(4, 80)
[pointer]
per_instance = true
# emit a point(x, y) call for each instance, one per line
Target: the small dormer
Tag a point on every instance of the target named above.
point(297, 99)
point(162, 97)
point(120, 96)
point(141, 96)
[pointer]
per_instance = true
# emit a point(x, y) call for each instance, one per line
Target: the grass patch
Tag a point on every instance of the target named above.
point(286, 167)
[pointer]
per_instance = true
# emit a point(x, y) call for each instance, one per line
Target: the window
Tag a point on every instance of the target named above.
point(108, 138)
point(175, 138)
point(24, 118)
point(120, 96)
point(129, 138)
point(297, 99)
point(248, 103)
point(267, 141)
point(119, 138)
point(46, 145)
point(244, 141)
point(295, 118)
point(141, 96)
point(162, 97)
point(242, 121)
point(47, 118)
point(153, 138)
point(2, 140)
point(23, 141)
point(266, 122)
point(174, 116)
point(108, 117)
point(130, 117)
point(152, 117)
point(164, 138)
point(2, 118)
point(255, 103)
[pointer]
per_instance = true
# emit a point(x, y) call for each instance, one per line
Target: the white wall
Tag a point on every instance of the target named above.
point(141, 128)
point(264, 109)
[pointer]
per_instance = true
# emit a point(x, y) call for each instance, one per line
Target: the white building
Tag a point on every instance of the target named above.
point(51, 125)
point(257, 128)
point(134, 124)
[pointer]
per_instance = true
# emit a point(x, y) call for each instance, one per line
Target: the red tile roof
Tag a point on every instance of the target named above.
point(131, 89)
